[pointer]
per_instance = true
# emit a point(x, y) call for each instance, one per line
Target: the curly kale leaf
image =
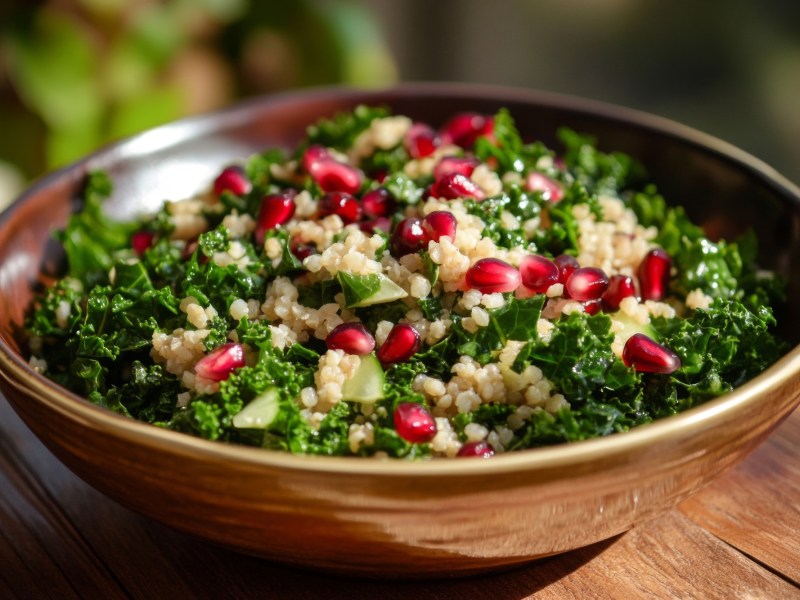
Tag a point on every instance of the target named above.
point(91, 238)
point(597, 171)
point(343, 128)
point(506, 148)
point(720, 348)
point(577, 359)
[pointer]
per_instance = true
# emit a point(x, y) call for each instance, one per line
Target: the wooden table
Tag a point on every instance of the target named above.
point(59, 538)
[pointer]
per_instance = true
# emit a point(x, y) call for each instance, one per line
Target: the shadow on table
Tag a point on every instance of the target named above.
point(257, 578)
point(61, 538)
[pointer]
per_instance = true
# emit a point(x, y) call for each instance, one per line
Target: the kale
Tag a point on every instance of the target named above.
point(319, 293)
point(384, 162)
point(404, 189)
point(90, 238)
point(259, 167)
point(597, 171)
point(215, 285)
point(490, 212)
point(720, 348)
point(561, 235)
point(516, 320)
point(506, 147)
point(342, 129)
point(577, 358)
point(289, 264)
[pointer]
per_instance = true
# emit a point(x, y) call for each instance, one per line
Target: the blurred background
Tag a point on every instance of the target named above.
point(75, 74)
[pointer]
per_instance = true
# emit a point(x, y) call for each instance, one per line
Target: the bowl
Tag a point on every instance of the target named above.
point(395, 518)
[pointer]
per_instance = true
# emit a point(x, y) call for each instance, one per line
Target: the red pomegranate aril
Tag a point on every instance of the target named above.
point(414, 423)
point(566, 266)
point(455, 164)
point(353, 338)
point(592, 307)
point(408, 237)
point(619, 288)
point(550, 190)
point(648, 356)
point(381, 223)
point(475, 450)
point(586, 283)
point(303, 251)
point(141, 241)
point(377, 203)
point(456, 185)
point(232, 179)
point(402, 343)
point(275, 210)
point(420, 140)
point(340, 203)
point(653, 273)
point(440, 223)
point(313, 155)
point(538, 273)
point(464, 128)
point(490, 275)
point(330, 174)
point(221, 362)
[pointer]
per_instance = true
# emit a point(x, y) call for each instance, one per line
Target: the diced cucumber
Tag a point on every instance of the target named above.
point(630, 327)
point(259, 413)
point(366, 290)
point(366, 384)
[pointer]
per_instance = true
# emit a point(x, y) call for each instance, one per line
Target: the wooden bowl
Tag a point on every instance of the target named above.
point(385, 518)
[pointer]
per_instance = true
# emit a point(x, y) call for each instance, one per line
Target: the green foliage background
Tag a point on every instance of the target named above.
point(75, 74)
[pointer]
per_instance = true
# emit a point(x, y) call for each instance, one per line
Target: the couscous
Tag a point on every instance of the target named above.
point(391, 289)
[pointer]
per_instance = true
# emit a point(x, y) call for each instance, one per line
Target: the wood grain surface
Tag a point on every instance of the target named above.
point(59, 538)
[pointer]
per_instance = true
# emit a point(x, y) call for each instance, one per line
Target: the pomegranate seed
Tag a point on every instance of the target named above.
point(476, 449)
point(586, 283)
point(654, 274)
point(275, 210)
point(550, 190)
point(381, 223)
point(402, 343)
point(490, 275)
point(414, 423)
point(566, 265)
point(538, 273)
point(342, 204)
point(377, 203)
point(330, 174)
point(592, 307)
point(456, 185)
point(353, 338)
point(464, 128)
point(455, 164)
point(420, 140)
point(221, 362)
point(313, 155)
point(232, 179)
point(440, 223)
point(408, 237)
point(648, 356)
point(619, 288)
point(141, 241)
point(303, 251)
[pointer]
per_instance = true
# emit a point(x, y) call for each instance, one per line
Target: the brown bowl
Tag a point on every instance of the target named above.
point(384, 518)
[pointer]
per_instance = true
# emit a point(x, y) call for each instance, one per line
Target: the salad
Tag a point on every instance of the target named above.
point(393, 288)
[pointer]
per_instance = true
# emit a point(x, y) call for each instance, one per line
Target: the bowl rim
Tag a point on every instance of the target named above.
point(19, 374)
